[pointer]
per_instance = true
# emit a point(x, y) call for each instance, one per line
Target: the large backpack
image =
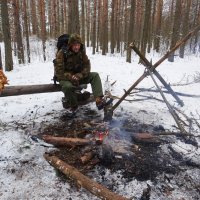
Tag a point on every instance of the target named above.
point(61, 44)
point(62, 41)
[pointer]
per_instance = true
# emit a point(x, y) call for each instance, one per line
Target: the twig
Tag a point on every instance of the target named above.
point(113, 83)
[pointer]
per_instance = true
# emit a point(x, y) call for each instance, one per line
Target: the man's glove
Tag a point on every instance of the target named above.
point(75, 80)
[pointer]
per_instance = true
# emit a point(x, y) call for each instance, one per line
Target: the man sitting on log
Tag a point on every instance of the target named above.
point(72, 68)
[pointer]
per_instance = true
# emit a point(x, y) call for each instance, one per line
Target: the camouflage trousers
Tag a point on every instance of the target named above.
point(69, 89)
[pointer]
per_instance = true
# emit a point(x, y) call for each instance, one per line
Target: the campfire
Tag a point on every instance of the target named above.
point(97, 143)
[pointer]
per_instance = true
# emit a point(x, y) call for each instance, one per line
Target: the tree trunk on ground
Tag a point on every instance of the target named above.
point(82, 180)
point(29, 89)
point(6, 36)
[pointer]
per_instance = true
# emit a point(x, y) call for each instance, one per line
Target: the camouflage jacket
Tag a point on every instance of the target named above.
point(68, 63)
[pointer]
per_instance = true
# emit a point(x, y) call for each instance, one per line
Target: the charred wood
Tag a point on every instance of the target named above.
point(87, 157)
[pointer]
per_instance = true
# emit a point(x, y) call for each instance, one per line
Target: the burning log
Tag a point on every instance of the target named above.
point(63, 141)
point(82, 180)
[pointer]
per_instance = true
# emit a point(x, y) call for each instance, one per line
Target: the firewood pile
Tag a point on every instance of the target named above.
point(3, 80)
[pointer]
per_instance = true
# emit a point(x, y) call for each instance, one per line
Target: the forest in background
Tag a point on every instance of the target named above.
point(105, 25)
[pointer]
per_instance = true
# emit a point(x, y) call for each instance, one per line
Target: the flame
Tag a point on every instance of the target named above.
point(100, 135)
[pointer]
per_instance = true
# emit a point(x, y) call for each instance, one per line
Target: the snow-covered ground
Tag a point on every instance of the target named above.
point(24, 172)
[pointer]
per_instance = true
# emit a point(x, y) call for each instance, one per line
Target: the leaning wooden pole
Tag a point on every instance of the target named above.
point(82, 180)
point(172, 112)
point(156, 73)
point(156, 65)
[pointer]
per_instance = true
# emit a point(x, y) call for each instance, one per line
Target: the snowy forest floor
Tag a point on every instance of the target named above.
point(171, 169)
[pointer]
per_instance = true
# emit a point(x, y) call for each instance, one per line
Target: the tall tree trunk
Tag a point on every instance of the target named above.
point(6, 35)
point(34, 20)
point(43, 27)
point(193, 42)
point(146, 27)
point(65, 16)
point(54, 19)
point(94, 27)
point(26, 31)
point(130, 31)
point(74, 25)
point(62, 21)
point(98, 25)
point(105, 27)
point(139, 22)
point(117, 19)
point(83, 20)
point(112, 39)
point(125, 39)
point(18, 33)
point(158, 25)
point(185, 27)
point(88, 22)
point(58, 16)
point(176, 28)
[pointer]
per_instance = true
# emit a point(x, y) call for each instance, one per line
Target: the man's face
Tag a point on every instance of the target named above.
point(76, 47)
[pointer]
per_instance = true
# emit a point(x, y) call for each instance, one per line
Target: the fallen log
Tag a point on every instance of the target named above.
point(29, 89)
point(33, 89)
point(82, 180)
point(63, 141)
